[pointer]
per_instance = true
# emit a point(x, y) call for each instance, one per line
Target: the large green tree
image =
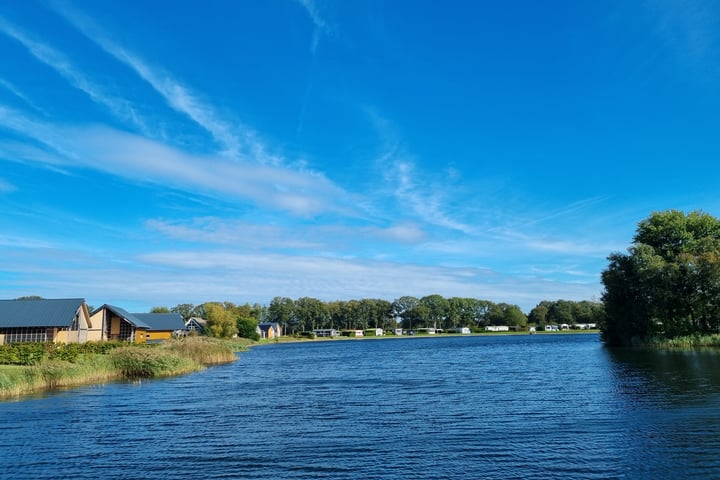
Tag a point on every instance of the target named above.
point(668, 283)
point(282, 311)
point(221, 322)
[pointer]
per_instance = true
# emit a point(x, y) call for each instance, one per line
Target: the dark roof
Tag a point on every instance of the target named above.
point(39, 313)
point(162, 321)
point(121, 312)
point(149, 321)
point(266, 325)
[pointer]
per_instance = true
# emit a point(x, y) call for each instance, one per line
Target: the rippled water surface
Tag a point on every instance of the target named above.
point(498, 407)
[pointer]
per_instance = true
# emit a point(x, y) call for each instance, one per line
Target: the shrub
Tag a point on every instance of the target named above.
point(22, 353)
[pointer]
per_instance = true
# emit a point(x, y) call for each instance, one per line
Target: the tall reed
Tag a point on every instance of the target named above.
point(203, 350)
point(81, 365)
point(686, 342)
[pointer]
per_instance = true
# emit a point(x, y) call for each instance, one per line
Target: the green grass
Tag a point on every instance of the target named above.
point(128, 361)
point(684, 343)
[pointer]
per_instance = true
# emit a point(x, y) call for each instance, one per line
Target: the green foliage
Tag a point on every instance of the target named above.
point(310, 313)
point(22, 353)
point(106, 361)
point(247, 328)
point(35, 352)
point(686, 342)
point(282, 311)
point(569, 312)
point(506, 314)
point(184, 309)
point(159, 310)
point(220, 320)
point(148, 362)
point(668, 283)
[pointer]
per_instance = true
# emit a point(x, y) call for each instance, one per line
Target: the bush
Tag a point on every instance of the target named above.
point(22, 353)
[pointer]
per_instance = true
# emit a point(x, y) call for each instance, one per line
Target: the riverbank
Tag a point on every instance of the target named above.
point(131, 361)
point(683, 343)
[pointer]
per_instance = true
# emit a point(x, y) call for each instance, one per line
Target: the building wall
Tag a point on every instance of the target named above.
point(158, 335)
point(141, 335)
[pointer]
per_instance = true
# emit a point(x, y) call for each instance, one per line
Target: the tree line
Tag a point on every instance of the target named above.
point(668, 282)
point(225, 319)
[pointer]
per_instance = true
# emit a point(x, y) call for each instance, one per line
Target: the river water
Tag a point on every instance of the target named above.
point(494, 407)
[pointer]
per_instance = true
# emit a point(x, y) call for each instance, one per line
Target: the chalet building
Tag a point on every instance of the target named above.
point(269, 330)
point(497, 328)
point(119, 324)
point(195, 324)
point(326, 332)
point(64, 320)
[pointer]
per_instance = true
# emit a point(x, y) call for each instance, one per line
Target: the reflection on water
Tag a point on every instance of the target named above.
point(672, 376)
point(524, 407)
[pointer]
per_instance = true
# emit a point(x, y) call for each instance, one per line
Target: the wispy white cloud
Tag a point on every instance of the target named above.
point(336, 240)
point(139, 159)
point(59, 62)
point(423, 197)
point(236, 140)
point(321, 26)
point(134, 157)
point(16, 91)
point(214, 230)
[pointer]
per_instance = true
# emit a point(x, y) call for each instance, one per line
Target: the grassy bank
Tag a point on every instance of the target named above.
point(687, 342)
point(129, 361)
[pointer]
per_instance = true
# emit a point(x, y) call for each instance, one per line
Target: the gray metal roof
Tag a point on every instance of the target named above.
point(130, 317)
point(39, 313)
point(162, 321)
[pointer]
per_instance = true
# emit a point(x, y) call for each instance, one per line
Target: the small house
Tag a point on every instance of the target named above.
point(352, 333)
point(269, 330)
point(195, 324)
point(497, 328)
point(161, 326)
point(119, 324)
point(326, 332)
point(426, 331)
point(460, 330)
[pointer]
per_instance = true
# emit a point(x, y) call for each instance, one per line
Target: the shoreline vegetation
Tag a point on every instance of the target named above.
point(63, 366)
point(41, 367)
point(688, 342)
point(32, 368)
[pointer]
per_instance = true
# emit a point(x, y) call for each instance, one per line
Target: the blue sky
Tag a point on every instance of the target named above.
point(166, 152)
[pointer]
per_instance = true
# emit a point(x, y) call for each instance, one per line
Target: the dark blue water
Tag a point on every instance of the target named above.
point(502, 407)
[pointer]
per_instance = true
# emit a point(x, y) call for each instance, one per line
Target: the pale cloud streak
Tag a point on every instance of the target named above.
point(16, 91)
point(335, 240)
point(321, 27)
point(59, 62)
point(142, 160)
point(236, 141)
point(424, 198)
